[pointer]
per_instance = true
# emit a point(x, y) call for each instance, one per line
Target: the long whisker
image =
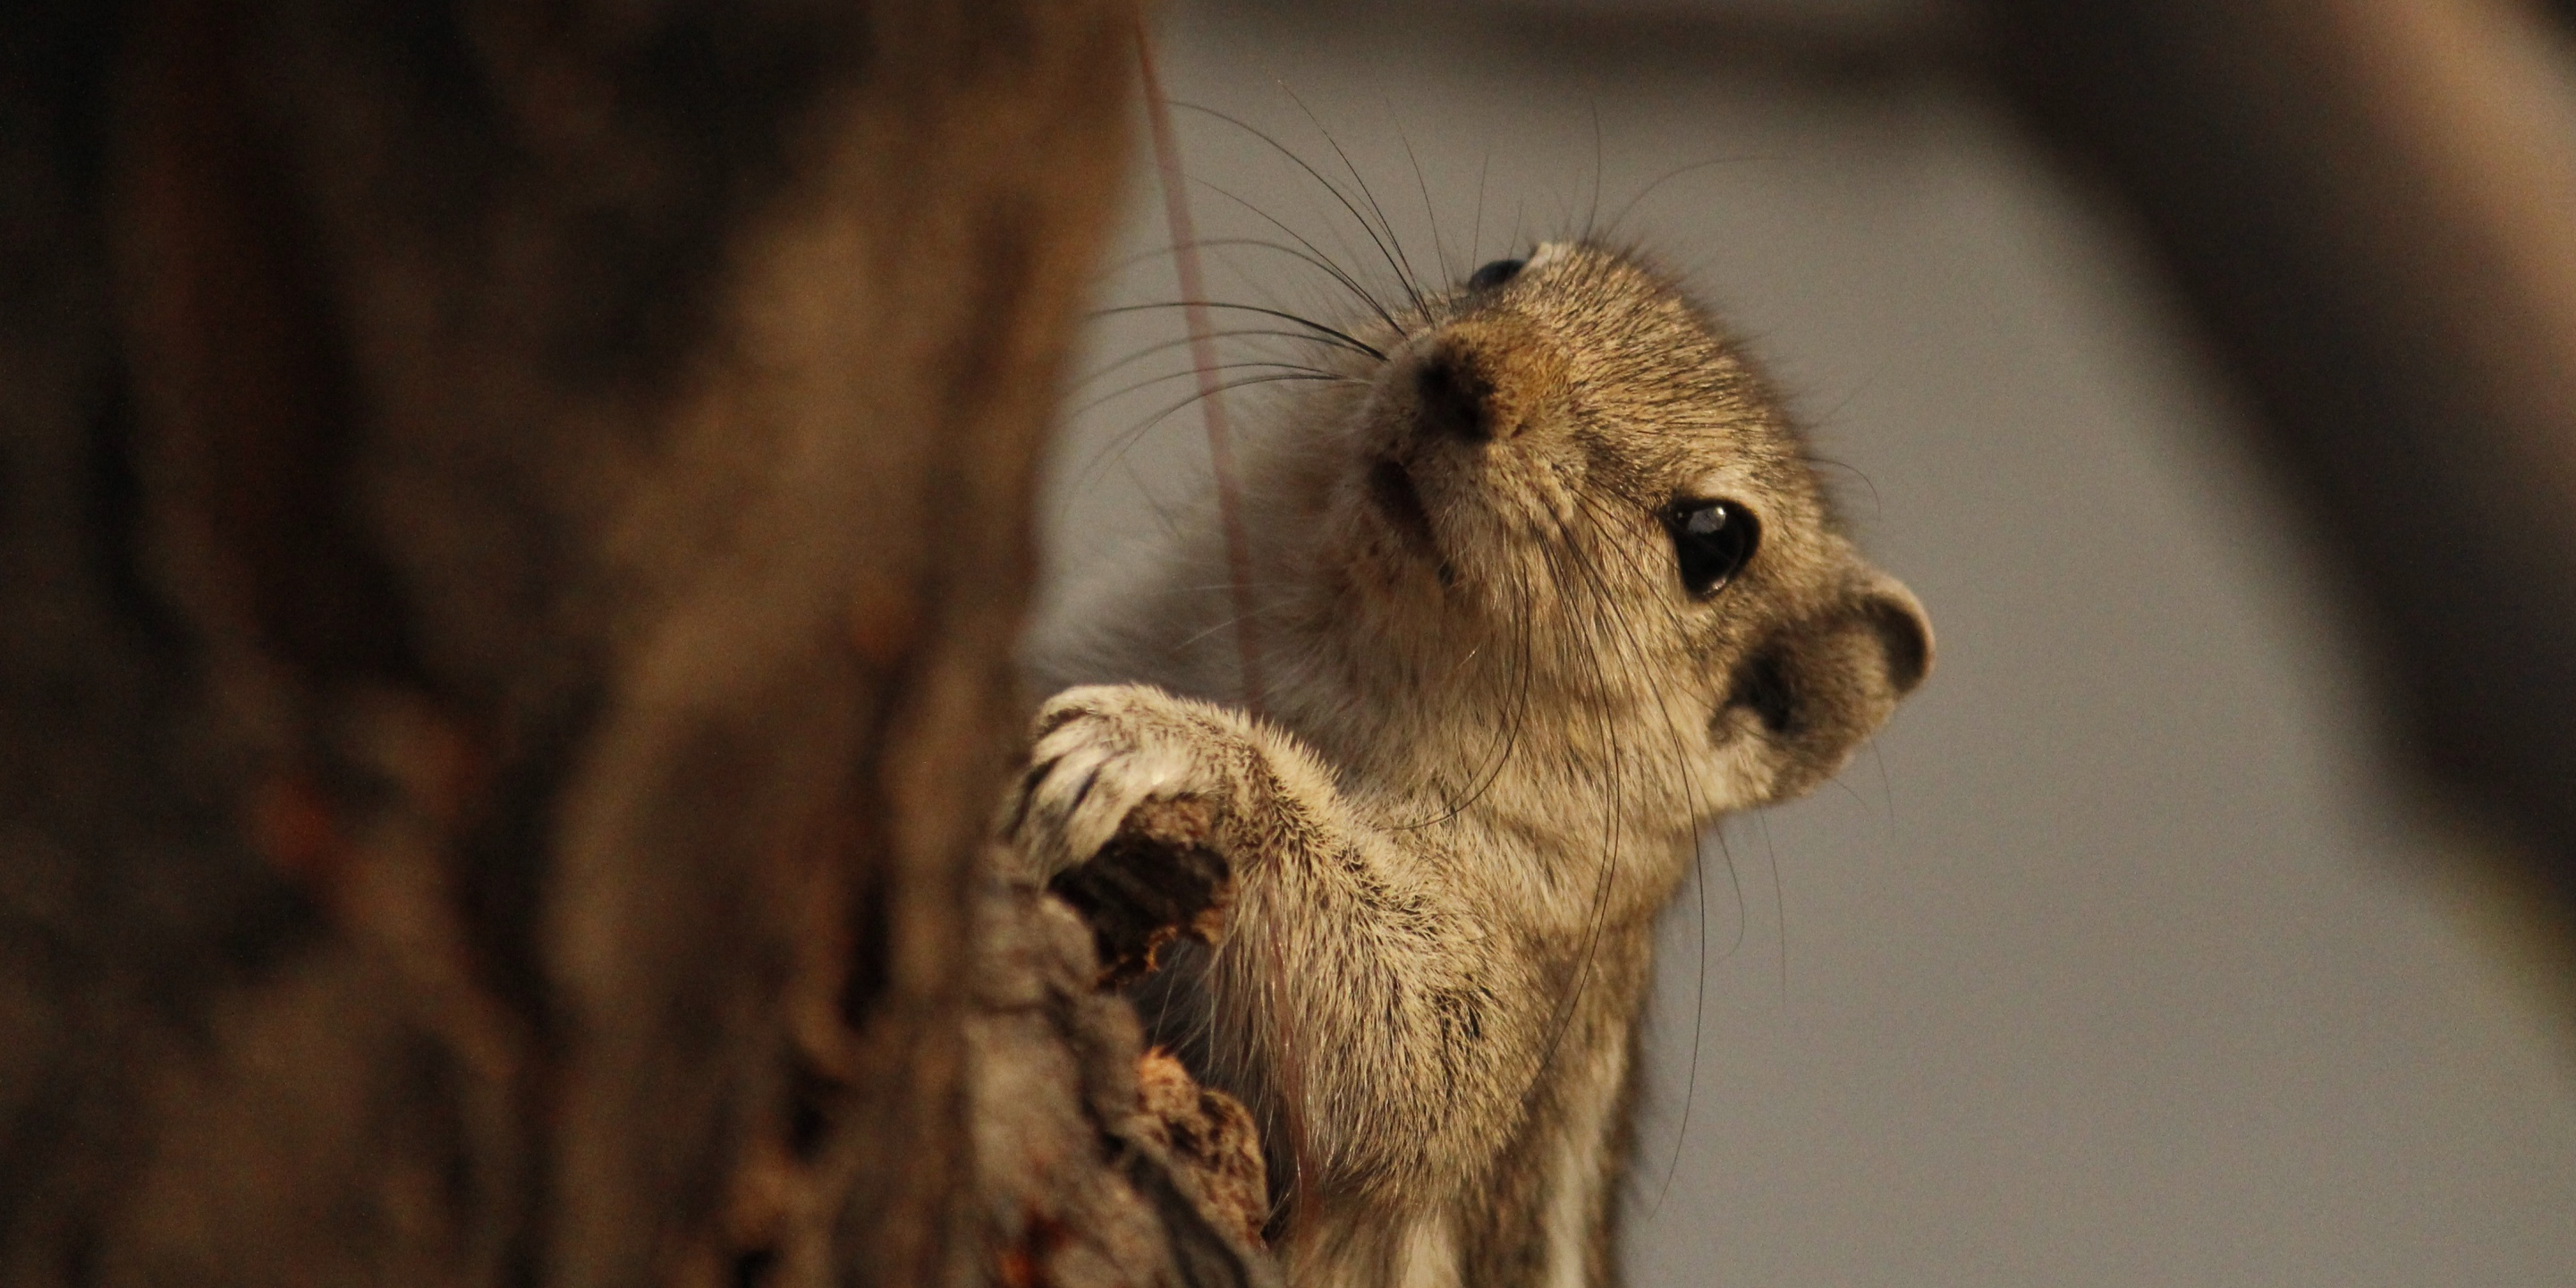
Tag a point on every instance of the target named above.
point(1404, 266)
point(1614, 812)
point(1315, 254)
point(1249, 364)
point(1779, 902)
point(1660, 180)
point(1483, 779)
point(1699, 1023)
point(1151, 253)
point(1310, 255)
point(1430, 216)
point(1167, 346)
point(1690, 1093)
point(1821, 462)
point(1127, 438)
point(1593, 210)
point(1691, 805)
point(1476, 233)
point(1392, 261)
point(1284, 315)
point(1108, 369)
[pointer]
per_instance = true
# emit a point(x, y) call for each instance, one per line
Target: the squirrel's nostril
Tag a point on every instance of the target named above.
point(1456, 399)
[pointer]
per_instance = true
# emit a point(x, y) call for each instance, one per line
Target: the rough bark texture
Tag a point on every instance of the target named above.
point(1159, 879)
point(512, 521)
point(1183, 1197)
point(2367, 203)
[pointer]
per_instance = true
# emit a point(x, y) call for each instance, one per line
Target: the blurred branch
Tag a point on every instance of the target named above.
point(1859, 45)
point(2371, 205)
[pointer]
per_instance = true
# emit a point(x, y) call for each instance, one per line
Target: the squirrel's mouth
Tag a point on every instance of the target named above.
point(1390, 488)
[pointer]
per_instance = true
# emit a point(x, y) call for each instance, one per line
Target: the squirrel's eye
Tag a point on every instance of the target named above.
point(1494, 274)
point(1712, 541)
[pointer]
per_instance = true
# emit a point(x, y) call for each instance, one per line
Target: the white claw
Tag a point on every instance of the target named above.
point(1097, 766)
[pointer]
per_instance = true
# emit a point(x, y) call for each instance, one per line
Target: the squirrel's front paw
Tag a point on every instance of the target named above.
point(1102, 750)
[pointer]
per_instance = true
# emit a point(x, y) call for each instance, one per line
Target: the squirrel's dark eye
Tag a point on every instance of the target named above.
point(1712, 541)
point(1494, 274)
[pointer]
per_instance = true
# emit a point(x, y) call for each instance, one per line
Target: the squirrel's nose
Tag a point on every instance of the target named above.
point(1453, 397)
point(1484, 380)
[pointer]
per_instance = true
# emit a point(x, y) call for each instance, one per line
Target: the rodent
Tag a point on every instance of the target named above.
point(1544, 586)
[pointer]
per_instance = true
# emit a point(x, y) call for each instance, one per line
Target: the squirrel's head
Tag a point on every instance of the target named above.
point(1560, 488)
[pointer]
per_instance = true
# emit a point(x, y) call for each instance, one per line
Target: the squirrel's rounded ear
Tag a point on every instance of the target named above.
point(1813, 690)
point(1903, 631)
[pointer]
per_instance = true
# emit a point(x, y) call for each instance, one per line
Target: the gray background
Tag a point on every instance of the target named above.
point(2119, 961)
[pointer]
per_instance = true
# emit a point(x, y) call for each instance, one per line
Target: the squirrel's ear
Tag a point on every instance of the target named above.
point(1817, 686)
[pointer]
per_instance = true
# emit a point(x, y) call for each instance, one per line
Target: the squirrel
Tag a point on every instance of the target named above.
point(1544, 586)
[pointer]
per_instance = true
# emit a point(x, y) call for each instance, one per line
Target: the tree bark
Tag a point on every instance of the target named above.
point(513, 520)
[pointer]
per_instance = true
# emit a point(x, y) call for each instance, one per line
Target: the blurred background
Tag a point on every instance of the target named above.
point(2123, 958)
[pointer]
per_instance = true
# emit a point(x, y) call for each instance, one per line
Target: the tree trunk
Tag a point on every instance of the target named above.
point(513, 520)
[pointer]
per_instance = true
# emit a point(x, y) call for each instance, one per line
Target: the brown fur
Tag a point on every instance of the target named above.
point(1496, 719)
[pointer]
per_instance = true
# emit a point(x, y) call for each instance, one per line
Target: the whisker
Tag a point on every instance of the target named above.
point(1392, 262)
point(1404, 266)
point(1166, 346)
point(1315, 254)
point(1282, 314)
point(1310, 255)
point(1779, 902)
point(1699, 1025)
point(1523, 673)
point(1592, 210)
point(1430, 216)
point(1125, 439)
point(1876, 507)
point(1666, 177)
point(1476, 235)
point(1698, 859)
point(1886, 792)
point(1562, 1016)
point(1249, 364)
